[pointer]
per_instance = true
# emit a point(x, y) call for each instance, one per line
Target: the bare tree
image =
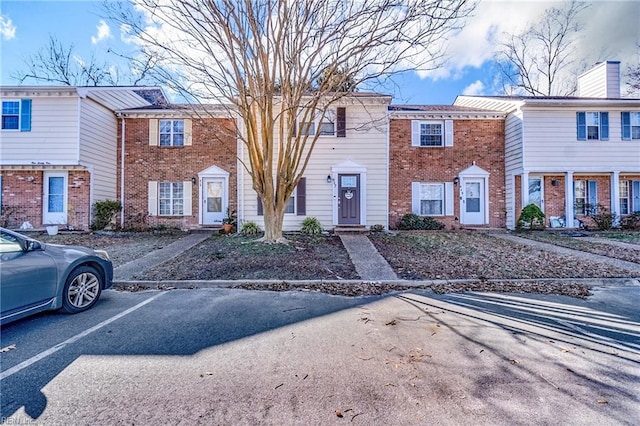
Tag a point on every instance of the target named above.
point(279, 62)
point(541, 60)
point(633, 77)
point(58, 64)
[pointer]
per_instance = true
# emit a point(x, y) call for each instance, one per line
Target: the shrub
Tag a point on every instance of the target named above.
point(311, 225)
point(631, 221)
point(602, 217)
point(412, 221)
point(531, 217)
point(377, 228)
point(104, 212)
point(250, 228)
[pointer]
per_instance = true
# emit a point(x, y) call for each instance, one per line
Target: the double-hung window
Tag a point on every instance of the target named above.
point(16, 115)
point(170, 198)
point(432, 133)
point(332, 124)
point(171, 132)
point(431, 199)
point(624, 197)
point(630, 125)
point(585, 196)
point(592, 125)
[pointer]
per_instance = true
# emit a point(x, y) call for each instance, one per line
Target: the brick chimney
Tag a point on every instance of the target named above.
point(601, 81)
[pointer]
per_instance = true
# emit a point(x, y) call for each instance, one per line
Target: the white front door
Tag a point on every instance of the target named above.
point(54, 198)
point(473, 202)
point(214, 200)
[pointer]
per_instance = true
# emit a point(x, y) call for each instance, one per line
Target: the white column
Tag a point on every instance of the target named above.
point(615, 195)
point(568, 200)
point(524, 188)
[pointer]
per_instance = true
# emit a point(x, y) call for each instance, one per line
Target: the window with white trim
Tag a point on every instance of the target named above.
point(585, 196)
point(630, 125)
point(170, 198)
point(624, 197)
point(431, 199)
point(10, 115)
point(324, 126)
point(432, 133)
point(592, 125)
point(171, 132)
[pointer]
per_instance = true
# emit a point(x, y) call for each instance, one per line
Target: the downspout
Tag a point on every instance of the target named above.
point(122, 128)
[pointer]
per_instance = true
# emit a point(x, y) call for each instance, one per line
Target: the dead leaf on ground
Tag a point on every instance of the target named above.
point(602, 401)
point(514, 361)
point(339, 413)
point(392, 322)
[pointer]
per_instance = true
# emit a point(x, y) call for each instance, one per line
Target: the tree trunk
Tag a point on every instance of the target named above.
point(273, 219)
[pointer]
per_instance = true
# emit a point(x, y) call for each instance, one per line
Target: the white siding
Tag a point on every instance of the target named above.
point(53, 139)
point(98, 148)
point(513, 161)
point(366, 146)
point(551, 145)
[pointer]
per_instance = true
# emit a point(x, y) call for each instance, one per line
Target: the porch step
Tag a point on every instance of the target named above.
point(350, 229)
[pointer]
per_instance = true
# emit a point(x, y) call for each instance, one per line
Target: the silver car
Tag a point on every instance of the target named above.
point(36, 277)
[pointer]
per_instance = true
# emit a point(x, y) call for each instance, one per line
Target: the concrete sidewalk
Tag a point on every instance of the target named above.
point(369, 264)
point(125, 272)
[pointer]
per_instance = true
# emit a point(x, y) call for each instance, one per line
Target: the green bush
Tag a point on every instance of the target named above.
point(104, 212)
point(531, 217)
point(311, 225)
point(250, 228)
point(412, 221)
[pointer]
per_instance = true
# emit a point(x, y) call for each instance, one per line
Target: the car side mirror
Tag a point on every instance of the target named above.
point(33, 245)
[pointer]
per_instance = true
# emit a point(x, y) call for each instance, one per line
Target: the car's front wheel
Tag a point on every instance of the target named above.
point(82, 290)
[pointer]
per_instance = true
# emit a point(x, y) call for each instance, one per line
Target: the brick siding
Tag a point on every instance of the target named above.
point(213, 144)
point(476, 140)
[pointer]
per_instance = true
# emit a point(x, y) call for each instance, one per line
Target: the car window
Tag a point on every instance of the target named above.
point(9, 244)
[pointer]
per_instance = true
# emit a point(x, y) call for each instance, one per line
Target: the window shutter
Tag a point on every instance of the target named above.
point(448, 132)
point(341, 122)
point(187, 188)
point(625, 118)
point(301, 197)
point(581, 119)
point(260, 208)
point(448, 198)
point(25, 115)
point(153, 132)
point(415, 132)
point(188, 132)
point(153, 198)
point(415, 197)
point(635, 193)
point(604, 126)
point(593, 195)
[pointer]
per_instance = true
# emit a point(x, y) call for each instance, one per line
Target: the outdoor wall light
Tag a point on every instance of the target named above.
point(456, 180)
point(193, 180)
point(329, 180)
point(554, 182)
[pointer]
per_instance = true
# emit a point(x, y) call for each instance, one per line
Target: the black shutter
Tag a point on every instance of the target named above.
point(301, 197)
point(341, 122)
point(260, 209)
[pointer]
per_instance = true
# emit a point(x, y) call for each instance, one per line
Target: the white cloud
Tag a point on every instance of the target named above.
point(7, 29)
point(475, 88)
point(610, 33)
point(104, 32)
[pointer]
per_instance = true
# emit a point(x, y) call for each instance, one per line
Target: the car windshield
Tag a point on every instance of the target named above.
point(9, 243)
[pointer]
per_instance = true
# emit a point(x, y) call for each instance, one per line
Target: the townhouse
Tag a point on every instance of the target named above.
point(58, 151)
point(569, 155)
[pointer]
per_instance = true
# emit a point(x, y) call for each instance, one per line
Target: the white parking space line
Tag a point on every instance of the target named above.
point(13, 370)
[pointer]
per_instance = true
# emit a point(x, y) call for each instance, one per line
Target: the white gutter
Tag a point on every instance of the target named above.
point(122, 172)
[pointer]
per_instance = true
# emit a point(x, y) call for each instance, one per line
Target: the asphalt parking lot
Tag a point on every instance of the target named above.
point(222, 356)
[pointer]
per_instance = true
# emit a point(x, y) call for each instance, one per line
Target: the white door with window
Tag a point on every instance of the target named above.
point(473, 202)
point(213, 200)
point(54, 198)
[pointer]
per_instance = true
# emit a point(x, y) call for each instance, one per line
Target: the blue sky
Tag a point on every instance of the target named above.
point(611, 32)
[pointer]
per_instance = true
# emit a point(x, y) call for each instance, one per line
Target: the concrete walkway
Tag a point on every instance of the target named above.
point(631, 266)
point(125, 272)
point(611, 242)
point(369, 264)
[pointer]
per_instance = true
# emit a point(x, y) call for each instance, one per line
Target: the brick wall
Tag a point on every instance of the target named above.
point(22, 192)
point(478, 140)
point(213, 144)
